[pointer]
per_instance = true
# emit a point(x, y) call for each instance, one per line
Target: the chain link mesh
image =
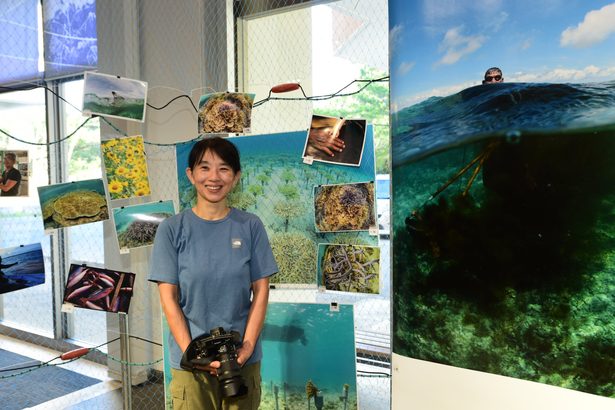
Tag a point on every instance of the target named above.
point(187, 49)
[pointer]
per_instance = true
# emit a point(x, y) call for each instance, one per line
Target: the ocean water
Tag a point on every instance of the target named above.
point(505, 110)
point(504, 233)
point(124, 216)
point(303, 342)
point(54, 191)
point(28, 271)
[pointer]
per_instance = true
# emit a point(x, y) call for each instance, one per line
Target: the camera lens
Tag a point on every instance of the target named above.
point(229, 376)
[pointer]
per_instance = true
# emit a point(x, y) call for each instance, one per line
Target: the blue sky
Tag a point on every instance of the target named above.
point(439, 47)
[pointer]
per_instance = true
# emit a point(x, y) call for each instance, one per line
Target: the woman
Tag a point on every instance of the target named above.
point(212, 264)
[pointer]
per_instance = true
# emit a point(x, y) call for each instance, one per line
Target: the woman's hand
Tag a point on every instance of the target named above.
point(212, 368)
point(244, 352)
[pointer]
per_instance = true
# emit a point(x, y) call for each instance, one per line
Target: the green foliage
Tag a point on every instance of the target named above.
point(263, 178)
point(372, 104)
point(256, 190)
point(287, 210)
point(288, 175)
point(240, 200)
point(290, 192)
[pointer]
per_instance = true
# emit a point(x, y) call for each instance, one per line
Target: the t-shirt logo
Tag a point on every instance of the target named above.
point(236, 243)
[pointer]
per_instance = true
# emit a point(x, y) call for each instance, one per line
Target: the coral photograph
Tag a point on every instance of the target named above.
point(73, 203)
point(225, 113)
point(99, 289)
point(345, 207)
point(125, 167)
point(349, 268)
point(136, 225)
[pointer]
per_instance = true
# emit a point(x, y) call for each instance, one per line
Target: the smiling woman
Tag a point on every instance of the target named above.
point(212, 265)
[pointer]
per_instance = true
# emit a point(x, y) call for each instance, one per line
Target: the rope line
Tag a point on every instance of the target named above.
point(339, 93)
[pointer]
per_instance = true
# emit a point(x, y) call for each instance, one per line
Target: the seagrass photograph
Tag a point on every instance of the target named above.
point(504, 192)
point(278, 188)
point(136, 225)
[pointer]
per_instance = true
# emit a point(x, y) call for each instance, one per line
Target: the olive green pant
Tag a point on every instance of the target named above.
point(200, 390)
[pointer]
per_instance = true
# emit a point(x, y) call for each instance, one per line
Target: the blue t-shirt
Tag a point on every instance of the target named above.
point(214, 264)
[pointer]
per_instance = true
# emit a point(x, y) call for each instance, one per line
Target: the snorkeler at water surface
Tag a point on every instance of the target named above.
point(493, 75)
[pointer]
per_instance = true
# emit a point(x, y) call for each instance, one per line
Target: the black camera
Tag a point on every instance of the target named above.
point(218, 345)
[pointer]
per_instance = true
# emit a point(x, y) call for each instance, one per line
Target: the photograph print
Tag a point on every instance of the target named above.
point(112, 96)
point(99, 289)
point(349, 268)
point(225, 113)
point(14, 175)
point(335, 140)
point(504, 188)
point(125, 167)
point(136, 225)
point(344, 207)
point(73, 203)
point(21, 267)
point(297, 367)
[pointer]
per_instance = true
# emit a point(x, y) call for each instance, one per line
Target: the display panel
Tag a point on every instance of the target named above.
point(503, 190)
point(278, 187)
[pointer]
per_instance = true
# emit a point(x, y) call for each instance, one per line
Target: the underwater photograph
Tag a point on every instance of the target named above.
point(136, 225)
point(276, 185)
point(344, 207)
point(99, 289)
point(73, 203)
point(21, 267)
point(504, 190)
point(300, 368)
point(349, 268)
point(225, 112)
point(114, 97)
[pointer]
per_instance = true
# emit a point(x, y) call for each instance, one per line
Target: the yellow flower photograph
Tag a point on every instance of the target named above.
point(126, 167)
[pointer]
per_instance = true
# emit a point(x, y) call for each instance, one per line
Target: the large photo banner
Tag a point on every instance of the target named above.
point(503, 134)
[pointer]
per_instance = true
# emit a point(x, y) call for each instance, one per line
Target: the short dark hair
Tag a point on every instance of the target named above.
point(493, 69)
point(222, 147)
point(11, 156)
